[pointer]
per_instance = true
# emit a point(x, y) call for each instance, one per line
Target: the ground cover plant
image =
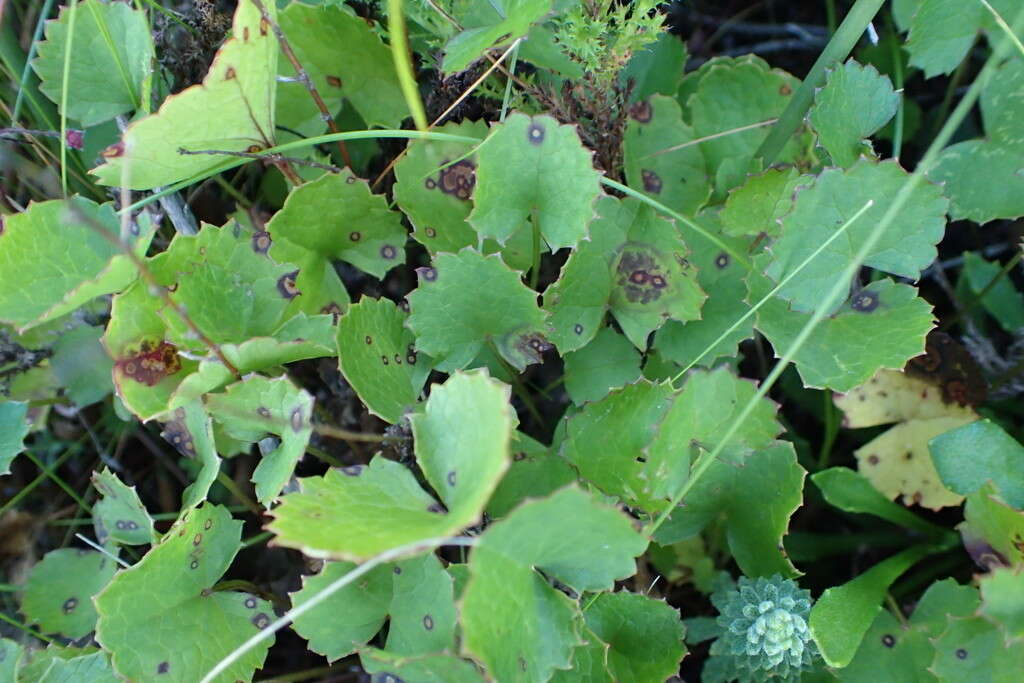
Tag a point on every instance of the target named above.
point(512, 340)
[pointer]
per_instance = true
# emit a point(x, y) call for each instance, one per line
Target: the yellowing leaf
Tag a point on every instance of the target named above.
point(898, 462)
point(232, 110)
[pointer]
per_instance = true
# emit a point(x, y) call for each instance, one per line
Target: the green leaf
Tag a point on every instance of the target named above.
point(758, 205)
point(983, 180)
point(82, 365)
point(677, 178)
point(42, 277)
point(10, 657)
point(854, 104)
point(645, 636)
point(628, 444)
point(754, 531)
point(337, 217)
point(112, 50)
point(154, 614)
point(657, 68)
point(534, 167)
point(378, 358)
point(730, 94)
point(535, 472)
point(452, 323)
point(14, 427)
point(608, 362)
point(652, 278)
point(843, 614)
point(991, 529)
point(358, 512)
point(941, 33)
point(258, 405)
point(190, 431)
point(94, 668)
point(970, 456)
point(722, 278)
point(1002, 300)
point(239, 87)
point(119, 515)
point(883, 326)
point(905, 249)
point(589, 661)
point(905, 650)
point(435, 668)
point(852, 492)
point(345, 59)
point(422, 608)
point(470, 44)
point(350, 617)
point(513, 621)
point(59, 591)
point(1002, 594)
point(972, 649)
point(579, 298)
point(435, 191)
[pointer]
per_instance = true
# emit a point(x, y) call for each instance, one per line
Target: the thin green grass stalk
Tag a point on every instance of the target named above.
point(234, 162)
point(52, 474)
point(737, 256)
point(841, 284)
point(1004, 26)
point(782, 283)
point(899, 121)
point(403, 63)
point(508, 82)
point(36, 35)
point(32, 485)
point(838, 48)
point(21, 627)
point(64, 99)
point(398, 553)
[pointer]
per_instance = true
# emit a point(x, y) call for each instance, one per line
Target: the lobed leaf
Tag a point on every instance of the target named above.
point(119, 515)
point(59, 591)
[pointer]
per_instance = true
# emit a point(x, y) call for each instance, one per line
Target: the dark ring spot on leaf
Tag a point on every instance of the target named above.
point(69, 605)
point(355, 236)
point(332, 309)
point(297, 420)
point(864, 302)
point(961, 653)
point(398, 359)
point(458, 179)
point(245, 34)
point(658, 282)
point(352, 470)
point(261, 621)
point(577, 328)
point(436, 508)
point(403, 305)
point(429, 183)
point(163, 667)
point(429, 274)
point(397, 570)
point(642, 111)
point(651, 180)
point(230, 74)
point(349, 180)
point(208, 524)
point(384, 360)
point(411, 359)
point(261, 242)
point(722, 260)
point(872, 459)
point(151, 364)
point(121, 524)
point(250, 603)
point(428, 622)
point(368, 340)
point(451, 478)
point(390, 678)
point(194, 564)
point(264, 26)
point(430, 232)
point(333, 81)
point(519, 456)
point(785, 90)
point(388, 252)
point(263, 412)
point(197, 539)
point(522, 663)
point(888, 640)
point(286, 285)
point(535, 134)
point(132, 526)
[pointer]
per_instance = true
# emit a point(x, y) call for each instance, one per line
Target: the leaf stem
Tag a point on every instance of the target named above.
point(403, 63)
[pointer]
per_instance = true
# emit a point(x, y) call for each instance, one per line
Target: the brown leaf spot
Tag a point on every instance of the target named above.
point(384, 360)
point(230, 74)
point(864, 301)
point(264, 26)
point(642, 111)
point(651, 180)
point(388, 252)
point(577, 328)
point(333, 309)
point(194, 564)
point(355, 236)
point(208, 524)
point(961, 653)
point(639, 275)
point(429, 274)
point(113, 151)
point(297, 420)
point(286, 285)
point(151, 363)
point(458, 179)
point(535, 134)
point(197, 539)
point(519, 456)
point(431, 233)
point(69, 605)
point(428, 622)
point(888, 640)
point(722, 260)
point(352, 470)
point(261, 242)
point(261, 621)
point(785, 90)
point(333, 81)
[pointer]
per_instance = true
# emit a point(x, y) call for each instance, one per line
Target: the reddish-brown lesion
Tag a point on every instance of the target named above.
point(152, 363)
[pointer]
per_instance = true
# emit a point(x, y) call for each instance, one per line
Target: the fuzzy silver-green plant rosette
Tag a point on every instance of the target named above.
point(764, 632)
